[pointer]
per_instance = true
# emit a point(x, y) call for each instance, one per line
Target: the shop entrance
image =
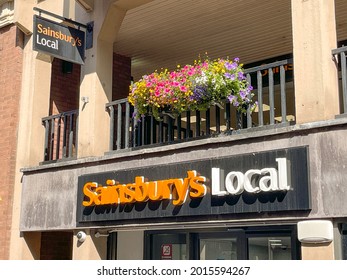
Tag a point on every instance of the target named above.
point(264, 243)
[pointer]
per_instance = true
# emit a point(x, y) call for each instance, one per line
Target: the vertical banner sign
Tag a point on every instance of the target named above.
point(58, 40)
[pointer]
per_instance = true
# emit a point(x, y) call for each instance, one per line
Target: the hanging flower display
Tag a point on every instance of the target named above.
point(192, 87)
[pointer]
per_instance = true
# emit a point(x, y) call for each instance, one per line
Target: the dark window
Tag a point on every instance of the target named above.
point(56, 245)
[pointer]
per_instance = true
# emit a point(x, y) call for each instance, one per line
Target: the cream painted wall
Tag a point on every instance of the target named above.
point(130, 245)
point(96, 82)
point(315, 75)
point(317, 251)
point(24, 11)
point(91, 249)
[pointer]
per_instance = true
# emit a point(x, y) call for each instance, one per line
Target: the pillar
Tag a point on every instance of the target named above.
point(96, 83)
point(315, 74)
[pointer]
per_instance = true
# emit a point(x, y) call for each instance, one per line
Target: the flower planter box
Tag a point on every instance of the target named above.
point(190, 88)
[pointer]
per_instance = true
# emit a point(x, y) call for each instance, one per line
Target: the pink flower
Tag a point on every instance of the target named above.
point(183, 88)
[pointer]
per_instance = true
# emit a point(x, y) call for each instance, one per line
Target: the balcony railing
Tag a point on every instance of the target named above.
point(340, 54)
point(60, 136)
point(271, 83)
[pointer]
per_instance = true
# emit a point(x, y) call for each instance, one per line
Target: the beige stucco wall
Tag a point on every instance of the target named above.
point(315, 75)
point(317, 251)
point(91, 249)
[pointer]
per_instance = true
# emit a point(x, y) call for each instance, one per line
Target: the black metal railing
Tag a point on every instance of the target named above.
point(340, 56)
point(60, 136)
point(266, 79)
point(270, 83)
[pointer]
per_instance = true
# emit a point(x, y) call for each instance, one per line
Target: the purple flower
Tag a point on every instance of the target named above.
point(230, 76)
point(241, 76)
point(236, 59)
point(231, 98)
point(243, 94)
point(200, 94)
point(230, 66)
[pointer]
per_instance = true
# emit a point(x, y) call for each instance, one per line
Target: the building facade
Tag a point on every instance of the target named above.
point(84, 180)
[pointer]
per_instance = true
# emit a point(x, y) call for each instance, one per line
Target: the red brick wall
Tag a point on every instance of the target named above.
point(121, 76)
point(64, 88)
point(10, 86)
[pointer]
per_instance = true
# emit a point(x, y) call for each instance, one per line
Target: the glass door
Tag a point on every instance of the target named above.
point(269, 248)
point(168, 246)
point(222, 246)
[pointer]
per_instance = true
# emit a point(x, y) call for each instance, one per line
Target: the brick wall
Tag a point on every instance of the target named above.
point(64, 88)
point(121, 76)
point(10, 86)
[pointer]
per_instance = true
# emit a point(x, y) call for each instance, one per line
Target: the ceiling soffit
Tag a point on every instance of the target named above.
point(164, 33)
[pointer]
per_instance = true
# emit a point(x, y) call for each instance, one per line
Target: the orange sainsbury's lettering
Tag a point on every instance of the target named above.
point(176, 189)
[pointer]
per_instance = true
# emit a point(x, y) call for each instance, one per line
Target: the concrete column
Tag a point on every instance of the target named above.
point(96, 80)
point(315, 75)
point(96, 83)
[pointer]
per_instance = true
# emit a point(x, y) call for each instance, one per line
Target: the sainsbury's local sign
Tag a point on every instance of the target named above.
point(58, 40)
point(257, 182)
point(177, 190)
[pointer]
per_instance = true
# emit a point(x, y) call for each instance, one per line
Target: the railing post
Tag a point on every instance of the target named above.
point(249, 116)
point(197, 124)
point(283, 94)
point(57, 152)
point(71, 135)
point(227, 116)
point(127, 124)
point(179, 127)
point(64, 137)
point(188, 124)
point(208, 121)
point(271, 96)
point(50, 156)
point(111, 146)
point(119, 126)
point(344, 80)
point(260, 98)
point(46, 124)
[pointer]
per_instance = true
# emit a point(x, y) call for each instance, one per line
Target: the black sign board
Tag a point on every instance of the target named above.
point(58, 40)
point(287, 190)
